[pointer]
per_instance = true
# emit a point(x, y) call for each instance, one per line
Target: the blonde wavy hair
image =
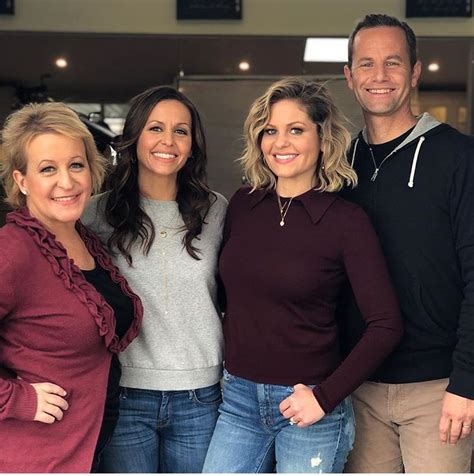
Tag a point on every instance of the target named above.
point(333, 170)
point(22, 126)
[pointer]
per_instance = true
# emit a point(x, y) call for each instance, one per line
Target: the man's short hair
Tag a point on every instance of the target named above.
point(375, 20)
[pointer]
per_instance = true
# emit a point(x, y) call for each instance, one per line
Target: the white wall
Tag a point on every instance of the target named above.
point(260, 17)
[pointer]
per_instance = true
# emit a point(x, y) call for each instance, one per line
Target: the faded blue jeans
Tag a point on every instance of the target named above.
point(165, 432)
point(252, 436)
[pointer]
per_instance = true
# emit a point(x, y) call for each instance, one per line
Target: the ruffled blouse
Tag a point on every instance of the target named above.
point(55, 327)
point(74, 280)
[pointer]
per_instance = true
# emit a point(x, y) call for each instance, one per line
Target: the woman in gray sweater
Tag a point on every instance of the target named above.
point(164, 226)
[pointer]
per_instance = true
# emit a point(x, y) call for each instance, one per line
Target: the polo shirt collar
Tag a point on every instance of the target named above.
point(315, 203)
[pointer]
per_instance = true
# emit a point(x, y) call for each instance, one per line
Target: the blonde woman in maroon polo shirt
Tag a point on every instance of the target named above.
point(64, 308)
point(290, 245)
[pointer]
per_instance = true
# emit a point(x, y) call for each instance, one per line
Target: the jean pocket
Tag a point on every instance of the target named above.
point(208, 395)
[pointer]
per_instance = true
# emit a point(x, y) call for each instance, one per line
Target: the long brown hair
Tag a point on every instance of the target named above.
point(123, 210)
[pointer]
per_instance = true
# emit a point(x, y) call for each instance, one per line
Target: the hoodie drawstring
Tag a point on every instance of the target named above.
point(411, 182)
point(354, 152)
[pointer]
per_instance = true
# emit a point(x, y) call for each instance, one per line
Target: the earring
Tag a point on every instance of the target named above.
point(24, 192)
point(320, 159)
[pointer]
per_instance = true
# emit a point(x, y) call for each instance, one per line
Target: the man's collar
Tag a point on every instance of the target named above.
point(315, 203)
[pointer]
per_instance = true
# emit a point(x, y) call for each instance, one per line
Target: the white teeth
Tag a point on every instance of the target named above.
point(162, 155)
point(285, 156)
point(64, 199)
point(379, 91)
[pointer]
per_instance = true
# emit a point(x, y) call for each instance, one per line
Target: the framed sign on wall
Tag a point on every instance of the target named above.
point(438, 8)
point(209, 9)
point(7, 7)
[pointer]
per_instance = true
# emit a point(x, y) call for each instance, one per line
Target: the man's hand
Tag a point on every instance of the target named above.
point(301, 408)
point(456, 420)
point(51, 405)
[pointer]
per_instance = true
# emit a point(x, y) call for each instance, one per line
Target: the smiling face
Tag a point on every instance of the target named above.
point(381, 76)
point(165, 142)
point(291, 146)
point(57, 180)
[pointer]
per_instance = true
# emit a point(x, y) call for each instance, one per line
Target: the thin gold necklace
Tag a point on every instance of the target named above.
point(171, 225)
point(283, 209)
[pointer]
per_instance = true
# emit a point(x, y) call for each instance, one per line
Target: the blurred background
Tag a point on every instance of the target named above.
point(97, 54)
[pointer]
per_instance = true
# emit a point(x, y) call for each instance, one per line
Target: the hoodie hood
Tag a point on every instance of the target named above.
point(425, 124)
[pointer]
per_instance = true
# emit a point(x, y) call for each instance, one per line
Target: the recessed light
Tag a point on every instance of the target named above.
point(244, 66)
point(326, 50)
point(61, 62)
point(433, 67)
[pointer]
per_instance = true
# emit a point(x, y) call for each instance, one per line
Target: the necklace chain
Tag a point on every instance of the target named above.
point(170, 225)
point(283, 209)
point(376, 169)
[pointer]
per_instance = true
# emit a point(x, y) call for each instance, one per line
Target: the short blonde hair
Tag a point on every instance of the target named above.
point(334, 170)
point(22, 126)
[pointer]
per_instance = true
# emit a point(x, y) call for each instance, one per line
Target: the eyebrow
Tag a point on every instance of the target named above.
point(368, 58)
point(289, 124)
point(74, 157)
point(162, 123)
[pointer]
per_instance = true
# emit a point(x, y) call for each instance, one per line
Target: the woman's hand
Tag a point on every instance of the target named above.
point(301, 408)
point(51, 405)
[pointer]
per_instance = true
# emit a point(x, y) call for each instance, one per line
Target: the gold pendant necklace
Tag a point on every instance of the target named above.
point(283, 209)
point(171, 225)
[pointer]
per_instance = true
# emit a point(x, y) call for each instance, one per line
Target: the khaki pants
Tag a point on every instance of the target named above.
point(397, 431)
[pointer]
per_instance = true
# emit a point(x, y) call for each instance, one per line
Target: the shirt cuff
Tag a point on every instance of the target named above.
point(461, 383)
point(23, 401)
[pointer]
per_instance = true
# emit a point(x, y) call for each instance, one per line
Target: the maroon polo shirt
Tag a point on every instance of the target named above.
point(282, 285)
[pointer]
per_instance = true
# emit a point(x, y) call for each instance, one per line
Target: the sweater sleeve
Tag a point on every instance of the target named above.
point(368, 275)
point(461, 197)
point(17, 398)
point(234, 203)
point(222, 298)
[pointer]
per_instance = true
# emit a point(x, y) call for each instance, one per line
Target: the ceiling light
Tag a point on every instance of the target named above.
point(61, 62)
point(326, 50)
point(244, 66)
point(433, 67)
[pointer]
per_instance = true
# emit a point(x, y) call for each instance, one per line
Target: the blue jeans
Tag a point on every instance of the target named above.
point(252, 436)
point(166, 432)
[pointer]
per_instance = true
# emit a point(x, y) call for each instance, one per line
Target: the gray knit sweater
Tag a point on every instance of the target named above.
point(180, 345)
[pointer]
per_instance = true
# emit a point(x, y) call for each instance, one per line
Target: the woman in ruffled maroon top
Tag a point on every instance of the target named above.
point(62, 302)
